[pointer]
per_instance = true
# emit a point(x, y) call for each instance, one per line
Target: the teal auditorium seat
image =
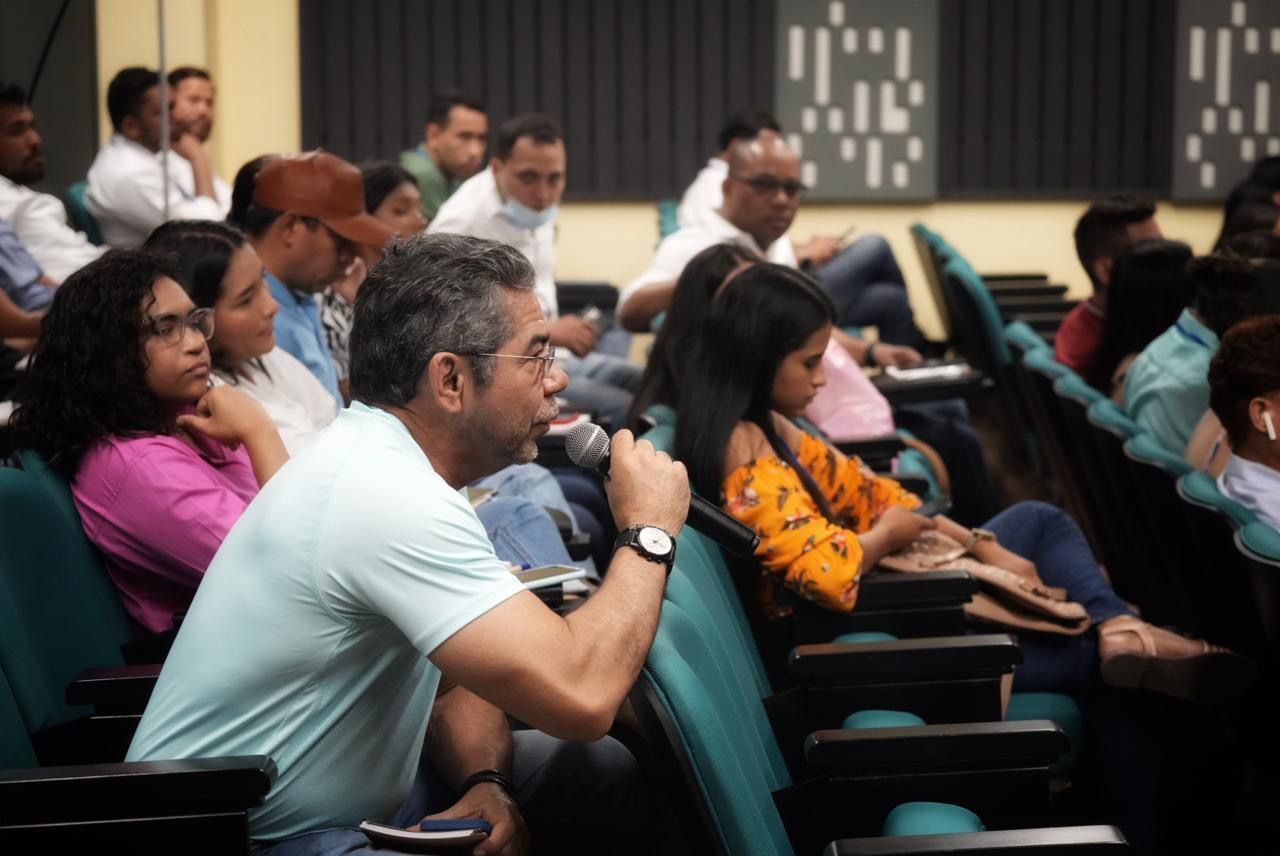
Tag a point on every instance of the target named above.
point(668, 222)
point(1020, 335)
point(1258, 548)
point(79, 211)
point(747, 803)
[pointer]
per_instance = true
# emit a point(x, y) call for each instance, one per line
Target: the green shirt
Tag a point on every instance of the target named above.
point(1167, 389)
point(435, 186)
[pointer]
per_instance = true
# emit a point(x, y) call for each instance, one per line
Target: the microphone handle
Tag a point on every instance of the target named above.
point(723, 528)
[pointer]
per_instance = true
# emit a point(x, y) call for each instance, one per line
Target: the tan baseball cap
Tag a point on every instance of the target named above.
point(326, 187)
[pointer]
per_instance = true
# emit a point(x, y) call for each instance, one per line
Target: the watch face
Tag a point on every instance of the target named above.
point(654, 540)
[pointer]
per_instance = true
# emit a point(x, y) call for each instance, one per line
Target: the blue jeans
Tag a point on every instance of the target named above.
point(574, 798)
point(867, 287)
point(528, 481)
point(600, 383)
point(1121, 758)
point(521, 532)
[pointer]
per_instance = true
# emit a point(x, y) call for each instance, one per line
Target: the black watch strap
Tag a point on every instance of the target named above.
point(630, 537)
point(497, 777)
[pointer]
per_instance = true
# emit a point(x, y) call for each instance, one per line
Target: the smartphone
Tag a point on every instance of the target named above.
point(592, 314)
point(934, 508)
point(548, 575)
point(846, 235)
point(433, 836)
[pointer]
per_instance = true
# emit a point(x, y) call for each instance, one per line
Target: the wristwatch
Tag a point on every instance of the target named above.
point(650, 542)
point(976, 535)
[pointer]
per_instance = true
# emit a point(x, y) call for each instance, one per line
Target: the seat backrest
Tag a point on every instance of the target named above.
point(61, 612)
point(1107, 415)
point(714, 738)
point(668, 219)
point(1199, 488)
point(983, 310)
point(1021, 338)
point(15, 746)
point(1258, 546)
point(926, 248)
point(79, 211)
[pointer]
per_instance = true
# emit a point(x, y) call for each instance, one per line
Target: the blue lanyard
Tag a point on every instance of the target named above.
point(1192, 336)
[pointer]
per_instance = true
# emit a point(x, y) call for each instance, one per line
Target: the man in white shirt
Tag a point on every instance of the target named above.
point(127, 186)
point(863, 278)
point(38, 219)
point(516, 201)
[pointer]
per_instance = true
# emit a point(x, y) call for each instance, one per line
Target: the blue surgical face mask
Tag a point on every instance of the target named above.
point(525, 217)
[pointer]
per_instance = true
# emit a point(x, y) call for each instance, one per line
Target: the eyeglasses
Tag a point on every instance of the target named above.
point(169, 329)
point(546, 358)
point(767, 185)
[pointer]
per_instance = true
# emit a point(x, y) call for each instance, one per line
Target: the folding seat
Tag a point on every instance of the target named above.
point(745, 800)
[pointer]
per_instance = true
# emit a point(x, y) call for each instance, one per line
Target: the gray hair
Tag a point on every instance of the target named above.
point(431, 294)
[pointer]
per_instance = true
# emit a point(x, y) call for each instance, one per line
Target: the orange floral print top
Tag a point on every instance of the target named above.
point(817, 558)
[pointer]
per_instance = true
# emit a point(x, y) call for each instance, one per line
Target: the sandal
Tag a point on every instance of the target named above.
point(1214, 674)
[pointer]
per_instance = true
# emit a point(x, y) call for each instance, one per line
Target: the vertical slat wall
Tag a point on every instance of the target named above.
point(1038, 98)
point(639, 86)
point(1055, 97)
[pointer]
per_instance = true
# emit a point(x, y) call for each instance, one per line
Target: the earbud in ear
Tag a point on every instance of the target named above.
point(1271, 426)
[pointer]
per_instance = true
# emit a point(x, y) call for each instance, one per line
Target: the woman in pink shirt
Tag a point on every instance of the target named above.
point(118, 400)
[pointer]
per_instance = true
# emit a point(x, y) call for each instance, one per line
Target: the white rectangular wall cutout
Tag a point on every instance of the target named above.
point(1193, 148)
point(1222, 77)
point(848, 148)
point(1248, 151)
point(822, 66)
point(915, 93)
point(809, 120)
point(902, 53)
point(861, 106)
point(1251, 40)
point(835, 13)
point(796, 142)
point(1262, 106)
point(901, 175)
point(1207, 176)
point(809, 173)
point(1273, 145)
point(1195, 61)
point(835, 120)
point(1209, 120)
point(874, 152)
point(1238, 13)
point(1235, 120)
point(875, 40)
point(915, 149)
point(795, 52)
point(850, 40)
point(893, 119)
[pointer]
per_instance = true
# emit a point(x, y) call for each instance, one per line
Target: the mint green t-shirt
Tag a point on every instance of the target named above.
point(1167, 388)
point(308, 637)
point(434, 185)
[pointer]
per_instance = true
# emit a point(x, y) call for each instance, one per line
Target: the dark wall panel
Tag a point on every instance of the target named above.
point(639, 86)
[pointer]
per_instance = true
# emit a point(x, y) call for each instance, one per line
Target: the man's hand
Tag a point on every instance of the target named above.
point(188, 145)
point(577, 334)
point(818, 250)
point(645, 486)
point(898, 356)
point(487, 801)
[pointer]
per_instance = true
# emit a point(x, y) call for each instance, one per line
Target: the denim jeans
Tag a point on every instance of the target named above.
point(600, 383)
point(522, 533)
point(867, 287)
point(528, 481)
point(574, 798)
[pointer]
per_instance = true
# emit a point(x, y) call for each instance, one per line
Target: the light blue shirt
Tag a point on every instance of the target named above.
point(298, 331)
point(1253, 485)
point(1167, 390)
point(20, 274)
point(308, 637)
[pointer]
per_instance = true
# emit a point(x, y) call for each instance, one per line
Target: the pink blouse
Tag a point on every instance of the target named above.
point(159, 510)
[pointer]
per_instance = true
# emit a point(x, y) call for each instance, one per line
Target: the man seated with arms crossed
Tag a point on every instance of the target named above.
point(516, 201)
point(38, 219)
point(452, 149)
point(360, 574)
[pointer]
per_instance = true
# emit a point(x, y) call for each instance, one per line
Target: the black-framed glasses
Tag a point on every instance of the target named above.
point(170, 328)
point(546, 357)
point(768, 185)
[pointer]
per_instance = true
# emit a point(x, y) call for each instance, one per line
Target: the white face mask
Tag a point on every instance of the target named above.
point(525, 217)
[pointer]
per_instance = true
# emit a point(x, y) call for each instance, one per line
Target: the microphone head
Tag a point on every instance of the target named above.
point(586, 445)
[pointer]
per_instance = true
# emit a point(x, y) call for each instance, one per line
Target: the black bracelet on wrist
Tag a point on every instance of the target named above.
point(871, 355)
point(496, 777)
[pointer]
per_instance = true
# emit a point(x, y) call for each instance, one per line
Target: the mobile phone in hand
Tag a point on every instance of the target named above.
point(432, 836)
point(592, 314)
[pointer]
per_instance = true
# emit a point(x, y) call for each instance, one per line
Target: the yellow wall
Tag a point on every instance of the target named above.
point(251, 48)
point(614, 241)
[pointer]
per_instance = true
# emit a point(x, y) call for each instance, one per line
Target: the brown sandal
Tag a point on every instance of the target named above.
point(1213, 675)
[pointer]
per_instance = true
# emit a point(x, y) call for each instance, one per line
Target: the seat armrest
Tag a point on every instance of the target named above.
point(114, 689)
point(932, 658)
point(953, 746)
point(874, 448)
point(1047, 841)
point(883, 589)
point(195, 785)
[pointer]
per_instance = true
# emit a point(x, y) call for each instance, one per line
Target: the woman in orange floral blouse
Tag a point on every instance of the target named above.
point(825, 519)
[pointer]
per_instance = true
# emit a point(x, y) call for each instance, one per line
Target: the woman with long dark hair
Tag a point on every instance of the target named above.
point(118, 400)
point(1150, 286)
point(223, 273)
point(824, 519)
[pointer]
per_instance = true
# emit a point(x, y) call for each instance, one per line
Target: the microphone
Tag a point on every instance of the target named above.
point(588, 446)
